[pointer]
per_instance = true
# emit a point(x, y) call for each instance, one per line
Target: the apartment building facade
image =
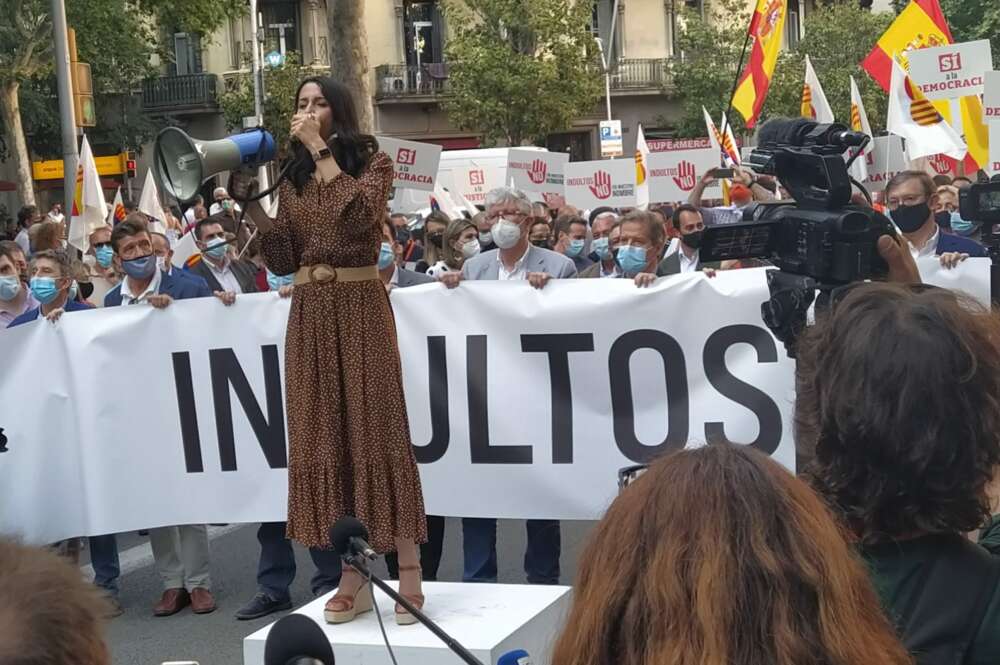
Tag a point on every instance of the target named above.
point(409, 69)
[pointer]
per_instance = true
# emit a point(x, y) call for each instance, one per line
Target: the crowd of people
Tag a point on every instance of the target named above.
point(714, 555)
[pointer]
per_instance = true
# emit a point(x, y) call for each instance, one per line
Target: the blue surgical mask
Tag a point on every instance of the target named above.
point(960, 226)
point(275, 282)
point(216, 251)
point(574, 248)
point(385, 256)
point(10, 286)
point(632, 259)
point(44, 289)
point(140, 268)
point(601, 248)
point(104, 254)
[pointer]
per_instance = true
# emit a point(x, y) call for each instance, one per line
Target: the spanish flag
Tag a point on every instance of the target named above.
point(765, 32)
point(921, 24)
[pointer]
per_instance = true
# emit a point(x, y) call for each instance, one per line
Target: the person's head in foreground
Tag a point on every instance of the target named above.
point(719, 556)
point(48, 614)
point(899, 397)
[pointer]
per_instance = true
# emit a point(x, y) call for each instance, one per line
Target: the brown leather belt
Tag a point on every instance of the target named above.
point(321, 273)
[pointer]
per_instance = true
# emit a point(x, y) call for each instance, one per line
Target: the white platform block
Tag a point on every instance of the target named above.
point(487, 619)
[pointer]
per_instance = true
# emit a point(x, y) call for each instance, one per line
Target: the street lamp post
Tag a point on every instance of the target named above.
point(607, 75)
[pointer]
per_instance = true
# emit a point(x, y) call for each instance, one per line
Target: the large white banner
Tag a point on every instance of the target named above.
point(673, 174)
point(523, 403)
point(537, 170)
point(602, 182)
point(415, 163)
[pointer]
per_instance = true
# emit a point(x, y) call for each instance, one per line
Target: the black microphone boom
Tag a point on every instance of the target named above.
point(350, 537)
point(297, 640)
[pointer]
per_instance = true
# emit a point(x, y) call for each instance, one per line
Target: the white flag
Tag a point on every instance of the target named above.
point(912, 116)
point(149, 203)
point(89, 207)
point(729, 144)
point(641, 159)
point(859, 123)
point(725, 145)
point(814, 104)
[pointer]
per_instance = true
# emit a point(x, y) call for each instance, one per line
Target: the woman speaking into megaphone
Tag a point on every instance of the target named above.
point(348, 434)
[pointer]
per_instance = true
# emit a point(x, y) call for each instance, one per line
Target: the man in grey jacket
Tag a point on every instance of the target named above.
point(508, 211)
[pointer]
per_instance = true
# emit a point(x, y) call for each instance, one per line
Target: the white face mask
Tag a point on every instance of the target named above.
point(506, 233)
point(485, 238)
point(470, 248)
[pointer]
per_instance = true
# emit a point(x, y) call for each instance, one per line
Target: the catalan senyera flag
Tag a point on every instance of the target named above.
point(921, 24)
point(765, 32)
point(641, 159)
point(725, 145)
point(117, 213)
point(859, 123)
point(912, 116)
point(814, 103)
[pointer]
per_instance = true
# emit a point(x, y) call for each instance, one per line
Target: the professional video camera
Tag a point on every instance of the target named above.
point(981, 203)
point(818, 235)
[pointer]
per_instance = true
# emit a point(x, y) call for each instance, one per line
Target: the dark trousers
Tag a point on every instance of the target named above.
point(430, 552)
point(541, 558)
point(104, 559)
point(276, 569)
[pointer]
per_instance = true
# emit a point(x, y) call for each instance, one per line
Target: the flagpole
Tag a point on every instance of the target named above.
point(736, 81)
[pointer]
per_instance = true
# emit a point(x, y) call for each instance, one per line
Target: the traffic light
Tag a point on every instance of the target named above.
point(130, 164)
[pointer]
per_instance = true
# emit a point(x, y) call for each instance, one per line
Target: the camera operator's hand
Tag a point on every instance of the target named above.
point(896, 253)
point(742, 176)
point(950, 260)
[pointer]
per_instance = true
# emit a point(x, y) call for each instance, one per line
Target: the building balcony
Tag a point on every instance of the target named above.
point(641, 76)
point(427, 82)
point(186, 94)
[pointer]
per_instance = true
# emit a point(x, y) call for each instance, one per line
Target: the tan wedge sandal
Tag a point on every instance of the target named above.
point(403, 617)
point(343, 608)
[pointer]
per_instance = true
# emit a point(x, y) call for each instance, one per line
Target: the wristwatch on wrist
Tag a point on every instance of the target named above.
point(322, 153)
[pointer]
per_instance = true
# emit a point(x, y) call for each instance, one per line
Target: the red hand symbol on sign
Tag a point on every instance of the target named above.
point(602, 185)
point(537, 172)
point(685, 177)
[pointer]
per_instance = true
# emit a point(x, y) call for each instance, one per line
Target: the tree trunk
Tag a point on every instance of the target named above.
point(349, 55)
point(11, 106)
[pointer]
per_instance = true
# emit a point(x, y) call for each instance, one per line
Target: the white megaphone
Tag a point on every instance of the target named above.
point(181, 163)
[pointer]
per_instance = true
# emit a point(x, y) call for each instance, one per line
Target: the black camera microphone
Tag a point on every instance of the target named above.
point(349, 537)
point(297, 640)
point(803, 132)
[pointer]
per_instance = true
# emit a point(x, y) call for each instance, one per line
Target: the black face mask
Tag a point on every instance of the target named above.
point(943, 219)
point(910, 218)
point(402, 235)
point(543, 243)
point(693, 240)
point(436, 239)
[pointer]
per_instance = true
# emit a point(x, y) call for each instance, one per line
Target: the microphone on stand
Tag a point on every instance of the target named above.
point(349, 538)
point(297, 640)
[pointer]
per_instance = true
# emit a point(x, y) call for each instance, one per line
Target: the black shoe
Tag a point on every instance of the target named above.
point(261, 606)
point(115, 608)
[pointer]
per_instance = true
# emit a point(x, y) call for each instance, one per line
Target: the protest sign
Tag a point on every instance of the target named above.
point(537, 170)
point(607, 182)
point(415, 164)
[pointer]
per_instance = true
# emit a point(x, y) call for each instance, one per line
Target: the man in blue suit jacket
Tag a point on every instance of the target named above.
point(912, 198)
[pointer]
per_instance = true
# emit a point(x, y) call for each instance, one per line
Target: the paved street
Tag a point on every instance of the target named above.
point(139, 638)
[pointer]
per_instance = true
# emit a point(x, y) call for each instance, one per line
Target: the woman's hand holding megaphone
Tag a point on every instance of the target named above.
point(243, 185)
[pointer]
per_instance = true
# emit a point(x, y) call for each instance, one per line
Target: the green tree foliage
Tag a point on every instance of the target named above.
point(520, 69)
point(837, 37)
point(280, 85)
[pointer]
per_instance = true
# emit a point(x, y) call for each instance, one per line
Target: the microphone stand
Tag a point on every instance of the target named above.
point(358, 563)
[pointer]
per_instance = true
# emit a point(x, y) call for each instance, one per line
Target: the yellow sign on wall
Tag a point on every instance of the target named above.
point(52, 169)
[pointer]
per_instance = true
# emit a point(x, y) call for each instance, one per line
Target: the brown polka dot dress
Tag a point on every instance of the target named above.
point(348, 434)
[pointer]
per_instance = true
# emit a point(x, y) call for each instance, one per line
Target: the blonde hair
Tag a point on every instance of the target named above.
point(454, 258)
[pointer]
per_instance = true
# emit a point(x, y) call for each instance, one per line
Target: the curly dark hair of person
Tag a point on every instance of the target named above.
point(898, 396)
point(716, 556)
point(350, 148)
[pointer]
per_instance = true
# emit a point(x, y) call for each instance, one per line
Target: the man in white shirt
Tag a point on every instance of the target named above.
point(508, 212)
point(27, 217)
point(15, 296)
point(689, 223)
point(223, 202)
point(223, 274)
